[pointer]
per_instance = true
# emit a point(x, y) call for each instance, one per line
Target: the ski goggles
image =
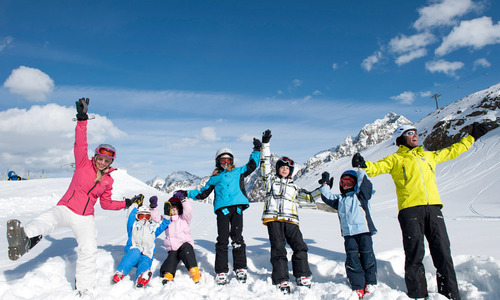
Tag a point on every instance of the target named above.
point(143, 216)
point(109, 153)
point(410, 133)
point(287, 161)
point(225, 160)
point(347, 182)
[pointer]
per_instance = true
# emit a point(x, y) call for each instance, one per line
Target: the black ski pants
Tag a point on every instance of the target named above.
point(417, 222)
point(360, 262)
point(230, 224)
point(185, 253)
point(281, 233)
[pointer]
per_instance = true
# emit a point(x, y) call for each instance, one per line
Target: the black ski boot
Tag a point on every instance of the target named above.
point(241, 275)
point(19, 243)
point(284, 287)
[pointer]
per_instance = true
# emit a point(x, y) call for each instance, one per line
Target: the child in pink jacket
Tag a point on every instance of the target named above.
point(178, 241)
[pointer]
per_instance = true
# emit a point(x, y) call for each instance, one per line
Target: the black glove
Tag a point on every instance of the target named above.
point(358, 161)
point(166, 208)
point(256, 144)
point(128, 202)
point(325, 178)
point(478, 130)
point(82, 106)
point(180, 194)
point(153, 201)
point(139, 199)
point(266, 136)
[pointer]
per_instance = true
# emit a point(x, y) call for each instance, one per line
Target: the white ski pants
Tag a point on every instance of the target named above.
point(85, 232)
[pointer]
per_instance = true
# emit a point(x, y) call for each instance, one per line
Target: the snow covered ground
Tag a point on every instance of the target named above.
point(469, 186)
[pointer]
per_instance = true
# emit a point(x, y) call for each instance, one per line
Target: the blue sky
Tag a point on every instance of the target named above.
point(170, 82)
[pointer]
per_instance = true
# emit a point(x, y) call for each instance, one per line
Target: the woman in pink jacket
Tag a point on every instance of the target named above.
point(178, 241)
point(90, 181)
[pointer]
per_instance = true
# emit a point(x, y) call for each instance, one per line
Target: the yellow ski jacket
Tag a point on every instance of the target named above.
point(414, 172)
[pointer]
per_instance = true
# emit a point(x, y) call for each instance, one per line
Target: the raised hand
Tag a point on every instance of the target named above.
point(325, 178)
point(82, 106)
point(266, 136)
point(358, 161)
point(180, 194)
point(256, 144)
point(478, 130)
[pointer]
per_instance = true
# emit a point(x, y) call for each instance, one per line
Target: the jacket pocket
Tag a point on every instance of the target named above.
point(71, 197)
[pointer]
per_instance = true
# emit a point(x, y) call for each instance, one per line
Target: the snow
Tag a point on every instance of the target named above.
point(469, 188)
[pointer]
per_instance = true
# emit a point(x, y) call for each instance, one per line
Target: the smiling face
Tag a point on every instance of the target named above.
point(284, 171)
point(174, 211)
point(411, 138)
point(225, 161)
point(102, 162)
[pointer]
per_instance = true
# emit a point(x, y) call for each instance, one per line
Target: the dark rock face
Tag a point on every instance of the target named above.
point(441, 136)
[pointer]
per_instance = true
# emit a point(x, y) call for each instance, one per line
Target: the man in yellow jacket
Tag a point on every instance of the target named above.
point(413, 171)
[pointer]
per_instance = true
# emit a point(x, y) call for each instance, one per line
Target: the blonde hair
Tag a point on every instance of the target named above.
point(228, 169)
point(98, 178)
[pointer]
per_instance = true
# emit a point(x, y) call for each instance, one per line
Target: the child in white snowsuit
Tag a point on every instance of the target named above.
point(281, 217)
point(140, 248)
point(356, 225)
point(178, 240)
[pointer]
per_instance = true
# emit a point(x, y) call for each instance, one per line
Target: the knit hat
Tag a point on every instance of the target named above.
point(176, 202)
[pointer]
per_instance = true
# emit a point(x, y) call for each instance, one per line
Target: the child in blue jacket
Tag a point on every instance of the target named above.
point(227, 183)
point(140, 248)
point(356, 225)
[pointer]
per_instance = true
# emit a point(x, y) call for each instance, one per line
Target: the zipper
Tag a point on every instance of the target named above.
point(422, 177)
point(88, 199)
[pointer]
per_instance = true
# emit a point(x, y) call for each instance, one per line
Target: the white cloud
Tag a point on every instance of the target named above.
point(410, 47)
point(425, 94)
point(443, 66)
point(42, 137)
point(405, 97)
point(406, 58)
point(482, 62)
point(475, 33)
point(403, 43)
point(246, 138)
point(370, 61)
point(317, 93)
point(32, 84)
point(208, 134)
point(444, 12)
point(5, 42)
point(335, 66)
point(297, 82)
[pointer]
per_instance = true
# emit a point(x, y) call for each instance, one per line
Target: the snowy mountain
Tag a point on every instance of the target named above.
point(448, 124)
point(178, 180)
point(369, 135)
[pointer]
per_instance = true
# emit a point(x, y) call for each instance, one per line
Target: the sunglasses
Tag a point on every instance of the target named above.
point(410, 133)
point(287, 161)
point(225, 160)
point(347, 183)
point(106, 152)
point(143, 216)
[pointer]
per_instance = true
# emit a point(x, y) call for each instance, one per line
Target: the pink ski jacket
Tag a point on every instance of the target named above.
point(83, 192)
point(179, 232)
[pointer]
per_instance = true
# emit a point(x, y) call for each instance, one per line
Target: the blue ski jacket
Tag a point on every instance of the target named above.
point(353, 207)
point(142, 234)
point(229, 187)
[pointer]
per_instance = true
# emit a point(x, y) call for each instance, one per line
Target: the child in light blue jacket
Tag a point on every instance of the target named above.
point(356, 225)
